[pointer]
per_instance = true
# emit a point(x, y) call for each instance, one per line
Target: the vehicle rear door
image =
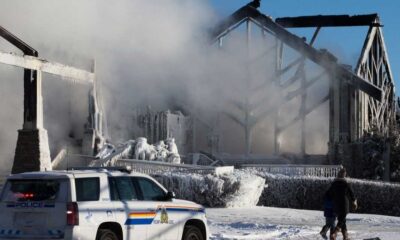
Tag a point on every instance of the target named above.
point(93, 202)
point(34, 208)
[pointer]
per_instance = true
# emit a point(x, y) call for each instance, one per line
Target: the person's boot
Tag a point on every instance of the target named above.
point(345, 234)
point(324, 231)
point(333, 234)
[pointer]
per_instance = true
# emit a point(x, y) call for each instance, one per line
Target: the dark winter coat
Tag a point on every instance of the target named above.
point(328, 207)
point(342, 196)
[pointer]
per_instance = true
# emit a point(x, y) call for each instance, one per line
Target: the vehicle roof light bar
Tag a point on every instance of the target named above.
point(125, 169)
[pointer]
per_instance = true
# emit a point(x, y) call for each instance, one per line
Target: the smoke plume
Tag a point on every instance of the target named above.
point(147, 53)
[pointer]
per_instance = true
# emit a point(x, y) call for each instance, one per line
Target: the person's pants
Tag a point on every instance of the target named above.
point(330, 222)
point(329, 225)
point(342, 222)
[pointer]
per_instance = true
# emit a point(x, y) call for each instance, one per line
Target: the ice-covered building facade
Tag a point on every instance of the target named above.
point(160, 125)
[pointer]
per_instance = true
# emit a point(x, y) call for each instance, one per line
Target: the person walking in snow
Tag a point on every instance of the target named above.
point(330, 216)
point(342, 196)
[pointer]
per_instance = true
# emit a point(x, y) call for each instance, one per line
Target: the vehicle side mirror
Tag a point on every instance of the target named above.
point(170, 195)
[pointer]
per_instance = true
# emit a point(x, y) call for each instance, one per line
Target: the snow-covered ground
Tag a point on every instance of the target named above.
point(282, 223)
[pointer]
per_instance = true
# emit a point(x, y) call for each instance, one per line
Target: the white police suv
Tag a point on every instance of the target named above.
point(101, 204)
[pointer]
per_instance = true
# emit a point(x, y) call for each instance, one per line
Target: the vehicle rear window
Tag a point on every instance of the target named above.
point(31, 190)
point(87, 189)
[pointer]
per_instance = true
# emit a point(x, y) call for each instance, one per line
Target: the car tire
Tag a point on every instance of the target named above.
point(105, 234)
point(192, 233)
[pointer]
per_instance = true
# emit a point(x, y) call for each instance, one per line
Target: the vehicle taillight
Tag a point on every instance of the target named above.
point(24, 195)
point(72, 213)
point(28, 195)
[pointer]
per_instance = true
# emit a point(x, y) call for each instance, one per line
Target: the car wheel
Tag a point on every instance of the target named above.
point(105, 234)
point(192, 233)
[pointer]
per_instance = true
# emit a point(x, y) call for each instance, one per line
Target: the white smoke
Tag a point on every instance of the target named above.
point(147, 53)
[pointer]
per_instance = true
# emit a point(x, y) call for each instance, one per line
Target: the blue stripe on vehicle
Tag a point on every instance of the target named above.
point(184, 210)
point(139, 221)
point(179, 209)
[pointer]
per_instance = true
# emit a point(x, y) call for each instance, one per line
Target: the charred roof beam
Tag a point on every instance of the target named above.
point(329, 21)
point(14, 40)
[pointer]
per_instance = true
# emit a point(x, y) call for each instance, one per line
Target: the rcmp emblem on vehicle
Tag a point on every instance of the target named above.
point(164, 216)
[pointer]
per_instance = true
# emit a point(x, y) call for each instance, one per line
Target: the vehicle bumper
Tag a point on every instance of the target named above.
point(75, 233)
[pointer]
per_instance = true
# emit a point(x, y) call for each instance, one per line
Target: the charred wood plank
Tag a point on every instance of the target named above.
point(314, 37)
point(329, 21)
point(14, 40)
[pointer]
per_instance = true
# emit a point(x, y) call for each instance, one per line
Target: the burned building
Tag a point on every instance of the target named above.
point(281, 96)
point(303, 88)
